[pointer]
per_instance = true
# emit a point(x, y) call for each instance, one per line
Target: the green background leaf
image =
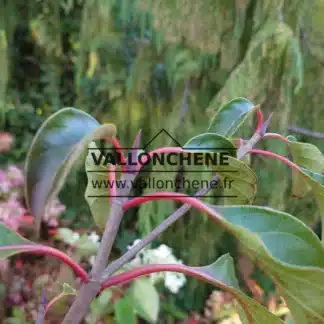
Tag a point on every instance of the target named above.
point(124, 312)
point(145, 299)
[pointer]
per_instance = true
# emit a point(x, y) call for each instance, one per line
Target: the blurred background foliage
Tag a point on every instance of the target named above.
point(149, 65)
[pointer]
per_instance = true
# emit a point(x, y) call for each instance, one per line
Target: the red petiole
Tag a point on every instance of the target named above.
point(41, 249)
point(260, 120)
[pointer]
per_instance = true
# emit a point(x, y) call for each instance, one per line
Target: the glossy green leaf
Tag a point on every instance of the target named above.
point(145, 299)
point(238, 180)
point(97, 177)
point(307, 156)
point(231, 116)
point(284, 248)
point(8, 240)
point(124, 312)
point(57, 146)
point(210, 142)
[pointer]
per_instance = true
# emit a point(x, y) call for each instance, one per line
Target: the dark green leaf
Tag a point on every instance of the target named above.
point(210, 142)
point(57, 146)
point(230, 116)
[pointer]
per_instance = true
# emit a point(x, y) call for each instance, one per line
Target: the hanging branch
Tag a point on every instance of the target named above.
point(306, 132)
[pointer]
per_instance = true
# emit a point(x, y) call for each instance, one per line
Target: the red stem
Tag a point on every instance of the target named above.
point(260, 120)
point(112, 180)
point(275, 135)
point(132, 274)
point(54, 300)
point(41, 249)
point(278, 157)
point(175, 196)
point(114, 141)
point(170, 149)
point(196, 272)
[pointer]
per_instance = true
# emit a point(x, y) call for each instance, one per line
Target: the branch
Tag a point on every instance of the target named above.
point(41, 310)
point(131, 253)
point(184, 106)
point(306, 132)
point(89, 290)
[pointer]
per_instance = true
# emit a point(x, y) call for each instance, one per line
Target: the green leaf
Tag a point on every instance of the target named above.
point(307, 156)
point(145, 299)
point(8, 240)
point(57, 146)
point(316, 182)
point(285, 249)
point(86, 247)
point(231, 116)
point(124, 311)
point(210, 142)
point(101, 306)
point(18, 316)
point(68, 290)
point(66, 235)
point(60, 299)
point(98, 174)
point(289, 320)
point(222, 274)
point(238, 180)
